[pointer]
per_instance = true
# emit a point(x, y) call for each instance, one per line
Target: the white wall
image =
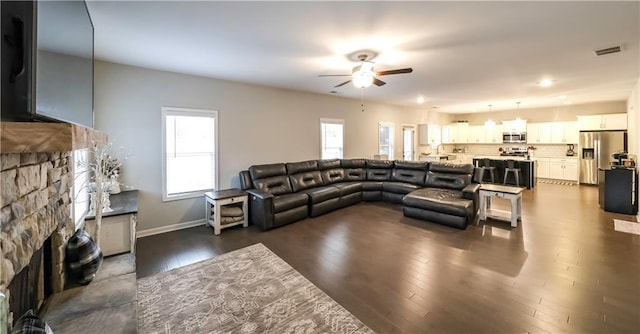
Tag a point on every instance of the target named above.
point(257, 125)
point(550, 114)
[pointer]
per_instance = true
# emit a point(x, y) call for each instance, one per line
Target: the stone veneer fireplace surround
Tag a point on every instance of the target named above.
point(36, 176)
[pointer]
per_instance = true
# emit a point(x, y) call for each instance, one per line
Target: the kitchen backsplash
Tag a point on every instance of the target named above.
point(546, 151)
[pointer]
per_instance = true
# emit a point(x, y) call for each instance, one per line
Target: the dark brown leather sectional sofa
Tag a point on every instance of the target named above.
point(283, 193)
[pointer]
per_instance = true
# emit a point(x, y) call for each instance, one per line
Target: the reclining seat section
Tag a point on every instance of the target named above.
point(450, 198)
point(273, 203)
point(406, 177)
point(307, 179)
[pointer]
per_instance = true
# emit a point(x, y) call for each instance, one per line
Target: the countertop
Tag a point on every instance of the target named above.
point(498, 157)
point(125, 202)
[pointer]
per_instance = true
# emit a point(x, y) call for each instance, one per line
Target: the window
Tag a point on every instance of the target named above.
point(80, 191)
point(385, 140)
point(190, 155)
point(331, 138)
point(408, 142)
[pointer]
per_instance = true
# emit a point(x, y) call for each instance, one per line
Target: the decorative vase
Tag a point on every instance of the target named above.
point(115, 185)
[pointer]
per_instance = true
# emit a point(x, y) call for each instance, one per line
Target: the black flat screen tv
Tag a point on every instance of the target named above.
point(47, 62)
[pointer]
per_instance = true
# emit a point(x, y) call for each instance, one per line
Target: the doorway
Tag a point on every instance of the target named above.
point(408, 142)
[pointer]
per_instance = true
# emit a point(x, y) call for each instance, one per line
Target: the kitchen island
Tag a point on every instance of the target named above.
point(527, 170)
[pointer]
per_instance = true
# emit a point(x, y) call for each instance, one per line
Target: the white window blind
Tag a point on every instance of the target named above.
point(385, 140)
point(332, 138)
point(189, 152)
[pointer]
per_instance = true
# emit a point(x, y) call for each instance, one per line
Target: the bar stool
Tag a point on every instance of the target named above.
point(486, 166)
point(511, 167)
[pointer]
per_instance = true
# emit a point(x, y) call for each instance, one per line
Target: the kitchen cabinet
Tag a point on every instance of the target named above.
point(564, 133)
point(539, 133)
point(543, 168)
point(456, 133)
point(476, 134)
point(517, 125)
point(493, 135)
point(602, 122)
point(563, 169)
point(434, 134)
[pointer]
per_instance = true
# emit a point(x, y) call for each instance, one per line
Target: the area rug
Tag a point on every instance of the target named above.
point(559, 182)
point(250, 290)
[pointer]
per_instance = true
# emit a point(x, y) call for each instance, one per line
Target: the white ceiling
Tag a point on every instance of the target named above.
point(465, 55)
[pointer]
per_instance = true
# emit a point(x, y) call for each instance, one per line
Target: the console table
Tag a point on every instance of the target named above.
point(215, 200)
point(118, 231)
point(514, 194)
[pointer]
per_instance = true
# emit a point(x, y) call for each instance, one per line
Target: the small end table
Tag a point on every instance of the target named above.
point(216, 199)
point(514, 194)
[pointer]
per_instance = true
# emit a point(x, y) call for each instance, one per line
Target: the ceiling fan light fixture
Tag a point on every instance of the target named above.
point(362, 79)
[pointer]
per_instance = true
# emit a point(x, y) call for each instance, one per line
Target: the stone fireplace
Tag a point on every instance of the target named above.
point(36, 176)
point(35, 206)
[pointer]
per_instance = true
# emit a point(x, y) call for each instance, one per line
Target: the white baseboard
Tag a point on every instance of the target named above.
point(169, 228)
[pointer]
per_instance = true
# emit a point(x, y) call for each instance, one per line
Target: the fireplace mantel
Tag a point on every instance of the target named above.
point(30, 137)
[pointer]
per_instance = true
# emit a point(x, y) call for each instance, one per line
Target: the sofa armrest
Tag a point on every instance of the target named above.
point(472, 192)
point(260, 208)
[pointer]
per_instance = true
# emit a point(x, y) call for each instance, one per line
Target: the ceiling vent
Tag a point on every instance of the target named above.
point(606, 51)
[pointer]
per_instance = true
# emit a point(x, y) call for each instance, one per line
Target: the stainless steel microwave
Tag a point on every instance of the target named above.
point(514, 137)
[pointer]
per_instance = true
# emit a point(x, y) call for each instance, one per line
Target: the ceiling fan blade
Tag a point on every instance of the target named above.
point(342, 84)
point(378, 82)
point(398, 71)
point(334, 75)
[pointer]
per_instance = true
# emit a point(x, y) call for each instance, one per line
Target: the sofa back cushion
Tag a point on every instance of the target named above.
point(413, 165)
point(245, 180)
point(385, 164)
point(306, 180)
point(449, 176)
point(353, 163)
point(328, 164)
point(355, 174)
point(263, 171)
point(446, 167)
point(302, 166)
point(379, 170)
point(330, 176)
point(416, 177)
point(276, 185)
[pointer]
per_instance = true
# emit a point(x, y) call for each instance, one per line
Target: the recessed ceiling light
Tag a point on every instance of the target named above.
point(562, 97)
point(568, 102)
point(420, 99)
point(545, 83)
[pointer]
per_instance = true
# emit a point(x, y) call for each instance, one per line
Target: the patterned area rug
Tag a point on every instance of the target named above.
point(250, 290)
point(560, 182)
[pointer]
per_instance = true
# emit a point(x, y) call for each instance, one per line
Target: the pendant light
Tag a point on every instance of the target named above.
point(489, 123)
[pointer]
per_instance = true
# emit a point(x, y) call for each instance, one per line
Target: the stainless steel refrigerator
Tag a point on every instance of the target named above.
point(596, 148)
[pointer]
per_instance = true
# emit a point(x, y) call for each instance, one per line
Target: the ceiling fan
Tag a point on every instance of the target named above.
point(363, 75)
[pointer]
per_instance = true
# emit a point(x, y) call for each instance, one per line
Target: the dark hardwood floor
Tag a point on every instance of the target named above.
point(562, 270)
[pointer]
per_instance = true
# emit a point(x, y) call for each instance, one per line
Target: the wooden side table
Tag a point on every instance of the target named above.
point(217, 199)
point(514, 194)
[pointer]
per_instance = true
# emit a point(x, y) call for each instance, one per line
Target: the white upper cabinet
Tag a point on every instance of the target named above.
point(476, 134)
point(434, 134)
point(539, 133)
point(564, 133)
point(514, 126)
point(602, 122)
point(429, 134)
point(553, 133)
point(456, 133)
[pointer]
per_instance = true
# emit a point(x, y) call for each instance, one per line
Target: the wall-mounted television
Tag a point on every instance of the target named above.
point(47, 62)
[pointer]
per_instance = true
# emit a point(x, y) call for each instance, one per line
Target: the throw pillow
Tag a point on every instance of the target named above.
point(29, 323)
point(84, 257)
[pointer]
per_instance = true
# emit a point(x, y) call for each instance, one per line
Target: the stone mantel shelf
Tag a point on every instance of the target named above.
point(30, 137)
